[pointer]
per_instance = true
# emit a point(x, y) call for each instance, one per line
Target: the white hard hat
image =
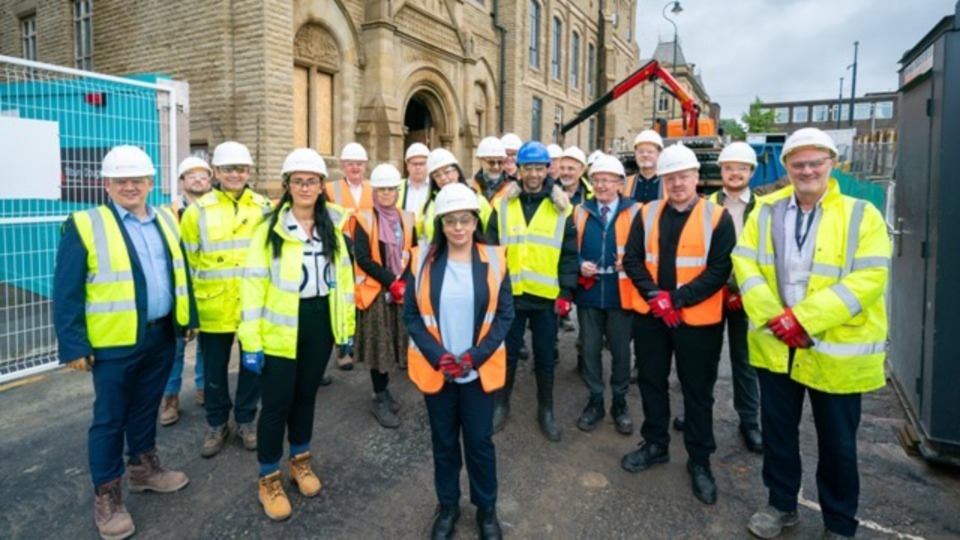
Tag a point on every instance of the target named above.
point(808, 137)
point(191, 163)
point(649, 136)
point(573, 152)
point(414, 150)
point(304, 160)
point(738, 152)
point(439, 158)
point(676, 157)
point(353, 152)
point(385, 175)
point(127, 161)
point(455, 197)
point(555, 151)
point(231, 153)
point(491, 147)
point(511, 141)
point(593, 156)
point(607, 164)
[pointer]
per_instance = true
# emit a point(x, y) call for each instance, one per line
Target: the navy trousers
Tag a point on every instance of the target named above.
point(216, 385)
point(836, 418)
point(543, 328)
point(127, 395)
point(746, 391)
point(463, 409)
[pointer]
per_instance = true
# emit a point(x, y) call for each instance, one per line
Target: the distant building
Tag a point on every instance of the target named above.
point(872, 112)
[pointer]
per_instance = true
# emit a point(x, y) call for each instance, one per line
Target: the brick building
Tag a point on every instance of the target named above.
point(321, 73)
point(875, 111)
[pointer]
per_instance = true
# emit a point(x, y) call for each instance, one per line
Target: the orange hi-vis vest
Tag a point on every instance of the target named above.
point(493, 372)
point(629, 295)
point(692, 253)
point(339, 193)
point(367, 287)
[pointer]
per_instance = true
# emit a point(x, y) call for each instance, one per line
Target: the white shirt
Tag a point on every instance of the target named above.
point(356, 191)
point(799, 260)
point(737, 206)
point(313, 282)
point(416, 197)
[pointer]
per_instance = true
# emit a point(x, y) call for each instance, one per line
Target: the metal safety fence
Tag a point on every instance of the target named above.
point(56, 125)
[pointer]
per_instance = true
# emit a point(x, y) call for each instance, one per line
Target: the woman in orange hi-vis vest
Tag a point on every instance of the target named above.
point(458, 361)
point(382, 241)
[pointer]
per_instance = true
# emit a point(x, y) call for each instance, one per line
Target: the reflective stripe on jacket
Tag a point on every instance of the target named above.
point(339, 193)
point(367, 288)
point(844, 307)
point(533, 250)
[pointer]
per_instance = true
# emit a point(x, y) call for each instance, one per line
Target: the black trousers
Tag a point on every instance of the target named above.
point(289, 387)
point(216, 386)
point(543, 329)
point(463, 409)
point(836, 418)
point(746, 390)
point(697, 350)
point(615, 325)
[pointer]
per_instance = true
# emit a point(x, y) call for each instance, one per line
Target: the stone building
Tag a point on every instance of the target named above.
point(321, 73)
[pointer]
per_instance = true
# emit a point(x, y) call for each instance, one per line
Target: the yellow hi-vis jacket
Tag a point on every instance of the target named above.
point(426, 224)
point(111, 306)
point(533, 250)
point(844, 308)
point(216, 232)
point(270, 290)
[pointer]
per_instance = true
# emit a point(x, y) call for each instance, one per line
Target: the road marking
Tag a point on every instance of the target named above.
point(20, 382)
point(872, 525)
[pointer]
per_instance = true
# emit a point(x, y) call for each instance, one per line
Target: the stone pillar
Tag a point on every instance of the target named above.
point(379, 117)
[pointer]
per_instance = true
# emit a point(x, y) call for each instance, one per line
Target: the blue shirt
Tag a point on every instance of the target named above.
point(151, 251)
point(456, 309)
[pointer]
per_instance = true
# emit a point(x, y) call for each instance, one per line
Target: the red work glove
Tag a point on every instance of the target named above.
point(397, 289)
point(734, 302)
point(786, 327)
point(663, 308)
point(465, 361)
point(449, 367)
point(562, 307)
point(586, 282)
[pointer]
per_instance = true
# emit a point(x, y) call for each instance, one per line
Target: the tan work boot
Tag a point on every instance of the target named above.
point(198, 397)
point(170, 410)
point(302, 475)
point(113, 520)
point(248, 434)
point(272, 497)
point(148, 475)
point(214, 441)
point(345, 362)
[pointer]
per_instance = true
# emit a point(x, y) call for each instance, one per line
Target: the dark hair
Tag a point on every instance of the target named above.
point(326, 229)
point(438, 244)
point(434, 188)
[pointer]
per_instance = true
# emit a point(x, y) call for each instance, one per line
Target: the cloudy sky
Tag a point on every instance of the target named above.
point(790, 49)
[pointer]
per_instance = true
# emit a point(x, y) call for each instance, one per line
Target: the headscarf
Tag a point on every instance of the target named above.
point(391, 234)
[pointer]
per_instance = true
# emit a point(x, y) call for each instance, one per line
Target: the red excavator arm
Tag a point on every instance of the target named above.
point(649, 72)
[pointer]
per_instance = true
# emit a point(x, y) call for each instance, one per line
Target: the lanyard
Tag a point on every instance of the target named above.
point(801, 239)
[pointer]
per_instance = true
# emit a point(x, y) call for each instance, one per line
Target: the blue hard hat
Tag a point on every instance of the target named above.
point(533, 152)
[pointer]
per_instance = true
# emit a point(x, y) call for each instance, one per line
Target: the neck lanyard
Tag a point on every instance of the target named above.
point(802, 238)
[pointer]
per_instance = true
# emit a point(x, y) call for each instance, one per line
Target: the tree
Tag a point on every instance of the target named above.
point(757, 119)
point(733, 128)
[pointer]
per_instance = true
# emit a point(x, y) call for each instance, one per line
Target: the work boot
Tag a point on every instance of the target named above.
point(383, 412)
point(488, 525)
point(170, 410)
point(395, 404)
point(752, 437)
point(444, 522)
point(702, 482)
point(592, 414)
point(216, 437)
point(302, 476)
point(113, 520)
point(678, 422)
point(548, 424)
point(501, 408)
point(768, 522)
point(148, 475)
point(198, 397)
point(345, 362)
point(621, 416)
point(566, 324)
point(326, 380)
point(248, 434)
point(524, 352)
point(274, 500)
point(642, 458)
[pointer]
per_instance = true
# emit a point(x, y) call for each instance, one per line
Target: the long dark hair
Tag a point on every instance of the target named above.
point(434, 188)
point(438, 244)
point(326, 229)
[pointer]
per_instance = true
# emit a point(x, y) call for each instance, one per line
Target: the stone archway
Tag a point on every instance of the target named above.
point(424, 120)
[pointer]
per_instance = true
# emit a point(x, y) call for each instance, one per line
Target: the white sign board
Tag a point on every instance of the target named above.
point(29, 159)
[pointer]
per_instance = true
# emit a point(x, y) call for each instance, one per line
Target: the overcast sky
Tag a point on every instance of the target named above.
point(790, 49)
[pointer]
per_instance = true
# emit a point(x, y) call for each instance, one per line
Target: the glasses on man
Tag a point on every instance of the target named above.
point(606, 181)
point(493, 163)
point(537, 167)
point(310, 183)
point(129, 181)
point(235, 168)
point(735, 168)
point(815, 164)
point(463, 221)
point(200, 176)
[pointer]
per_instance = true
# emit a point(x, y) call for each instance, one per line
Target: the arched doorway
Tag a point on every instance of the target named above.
point(422, 120)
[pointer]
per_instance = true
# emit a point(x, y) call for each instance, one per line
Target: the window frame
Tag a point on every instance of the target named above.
point(83, 34)
point(591, 70)
point(824, 117)
point(796, 115)
point(556, 46)
point(575, 59)
point(781, 115)
point(533, 56)
point(28, 36)
point(536, 118)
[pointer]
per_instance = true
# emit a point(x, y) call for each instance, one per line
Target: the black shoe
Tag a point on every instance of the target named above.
point(395, 404)
point(704, 487)
point(592, 414)
point(621, 416)
point(444, 522)
point(501, 407)
point(383, 412)
point(523, 353)
point(678, 422)
point(548, 423)
point(488, 524)
point(642, 458)
point(326, 380)
point(752, 437)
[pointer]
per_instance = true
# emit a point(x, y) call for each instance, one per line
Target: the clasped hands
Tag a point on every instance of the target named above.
point(454, 367)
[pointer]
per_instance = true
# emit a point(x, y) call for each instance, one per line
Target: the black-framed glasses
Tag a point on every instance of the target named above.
point(235, 168)
point(309, 183)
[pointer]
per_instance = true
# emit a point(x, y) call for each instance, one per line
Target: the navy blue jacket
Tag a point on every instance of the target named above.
point(646, 190)
point(599, 246)
point(70, 297)
point(431, 348)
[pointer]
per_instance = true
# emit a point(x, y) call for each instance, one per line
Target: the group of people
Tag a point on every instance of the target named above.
point(387, 269)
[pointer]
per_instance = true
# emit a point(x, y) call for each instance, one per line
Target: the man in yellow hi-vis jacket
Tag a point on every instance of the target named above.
point(812, 266)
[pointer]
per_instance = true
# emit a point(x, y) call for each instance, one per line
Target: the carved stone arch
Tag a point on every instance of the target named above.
point(428, 84)
point(315, 44)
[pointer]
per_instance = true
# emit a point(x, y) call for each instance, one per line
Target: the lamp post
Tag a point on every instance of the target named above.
point(853, 84)
point(839, 103)
point(676, 10)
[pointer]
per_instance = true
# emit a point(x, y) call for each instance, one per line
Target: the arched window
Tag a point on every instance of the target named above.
point(556, 48)
point(534, 34)
point(575, 60)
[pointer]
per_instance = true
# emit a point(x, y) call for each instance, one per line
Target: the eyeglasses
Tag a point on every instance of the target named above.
point(385, 190)
point(300, 184)
point(417, 163)
point(493, 162)
point(197, 176)
point(735, 168)
point(814, 164)
point(235, 168)
point(606, 181)
point(463, 221)
point(134, 181)
point(449, 171)
point(539, 167)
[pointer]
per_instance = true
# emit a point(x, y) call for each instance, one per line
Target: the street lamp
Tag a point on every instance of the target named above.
point(676, 10)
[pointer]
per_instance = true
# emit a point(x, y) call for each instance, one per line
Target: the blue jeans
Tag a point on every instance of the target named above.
point(176, 374)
